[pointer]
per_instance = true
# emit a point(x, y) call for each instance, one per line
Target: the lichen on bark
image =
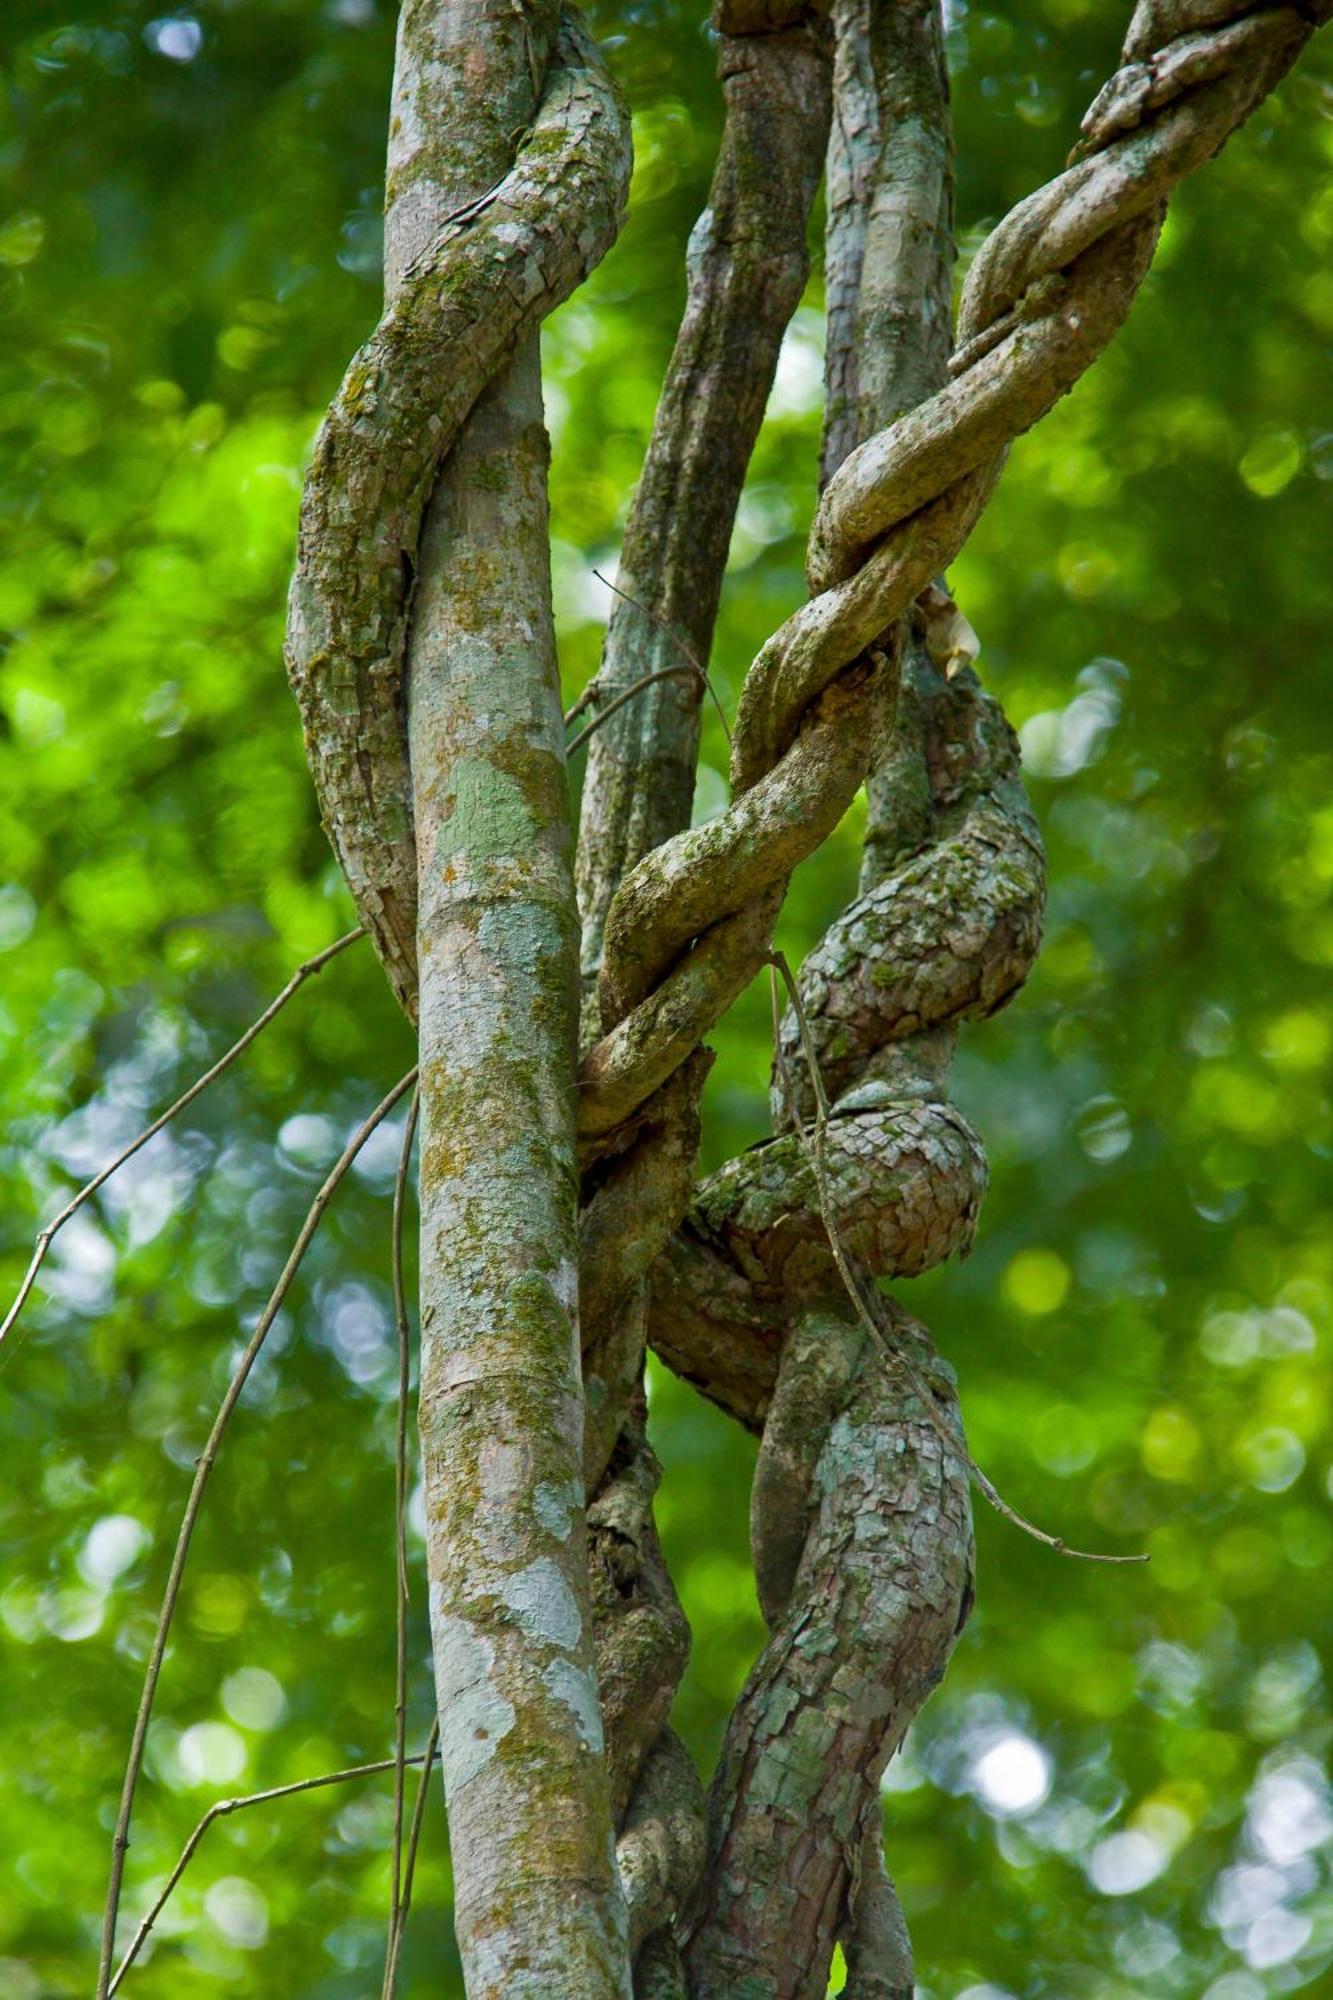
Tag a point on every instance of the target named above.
point(421, 623)
point(537, 1902)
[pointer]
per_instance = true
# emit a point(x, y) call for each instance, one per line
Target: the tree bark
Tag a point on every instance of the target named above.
point(460, 860)
point(747, 266)
point(537, 1905)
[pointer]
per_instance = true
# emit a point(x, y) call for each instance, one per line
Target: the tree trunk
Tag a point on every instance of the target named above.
point(536, 1901)
point(560, 1217)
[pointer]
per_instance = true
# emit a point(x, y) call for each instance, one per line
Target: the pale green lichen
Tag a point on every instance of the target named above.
point(474, 1716)
point(543, 1604)
point(575, 1686)
point(556, 1505)
point(490, 818)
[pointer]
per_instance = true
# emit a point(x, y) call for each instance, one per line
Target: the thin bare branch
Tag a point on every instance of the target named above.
point(590, 694)
point(675, 640)
point(410, 1863)
point(814, 1135)
point(400, 1508)
point(626, 694)
point(200, 1084)
point(203, 1469)
point(220, 1811)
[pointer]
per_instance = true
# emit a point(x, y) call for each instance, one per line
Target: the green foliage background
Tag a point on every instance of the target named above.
point(1120, 1793)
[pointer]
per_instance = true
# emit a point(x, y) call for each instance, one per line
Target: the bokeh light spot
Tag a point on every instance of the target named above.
point(1036, 1282)
point(113, 1546)
point(238, 1910)
point(1170, 1445)
point(1271, 462)
point(178, 38)
point(1125, 1863)
point(211, 1753)
point(254, 1698)
point(1013, 1776)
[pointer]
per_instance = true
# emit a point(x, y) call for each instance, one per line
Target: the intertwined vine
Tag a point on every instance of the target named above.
point(690, 926)
point(496, 269)
point(758, 1284)
point(861, 1520)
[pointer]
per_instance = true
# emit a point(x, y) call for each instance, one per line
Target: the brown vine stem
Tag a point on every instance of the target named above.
point(585, 700)
point(220, 1811)
point(400, 1516)
point(410, 1862)
point(680, 646)
point(814, 1136)
point(626, 694)
point(153, 1672)
point(53, 1228)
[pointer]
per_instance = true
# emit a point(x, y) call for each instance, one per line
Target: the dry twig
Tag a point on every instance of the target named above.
point(204, 1467)
point(679, 644)
point(626, 694)
point(410, 1862)
point(219, 1811)
point(400, 1514)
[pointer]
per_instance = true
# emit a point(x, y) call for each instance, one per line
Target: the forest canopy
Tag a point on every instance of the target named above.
point(1122, 1783)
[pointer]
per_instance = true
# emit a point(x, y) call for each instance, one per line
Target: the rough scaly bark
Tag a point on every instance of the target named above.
point(947, 927)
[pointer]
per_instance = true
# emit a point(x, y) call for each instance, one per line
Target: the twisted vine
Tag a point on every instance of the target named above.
point(861, 1509)
point(491, 275)
point(1051, 285)
point(746, 269)
point(859, 1518)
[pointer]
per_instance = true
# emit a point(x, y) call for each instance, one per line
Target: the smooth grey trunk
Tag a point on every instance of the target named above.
point(537, 1906)
point(888, 244)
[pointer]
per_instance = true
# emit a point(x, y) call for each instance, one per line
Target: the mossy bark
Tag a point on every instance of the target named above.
point(423, 560)
point(476, 258)
point(537, 1904)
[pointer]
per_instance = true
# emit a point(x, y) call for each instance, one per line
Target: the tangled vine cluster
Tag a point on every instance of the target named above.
point(861, 1525)
point(691, 925)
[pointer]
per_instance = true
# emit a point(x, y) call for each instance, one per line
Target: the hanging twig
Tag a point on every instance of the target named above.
point(153, 1671)
point(400, 1516)
point(788, 1088)
point(679, 644)
point(410, 1862)
point(53, 1228)
point(814, 1137)
point(220, 1811)
point(591, 693)
point(626, 694)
